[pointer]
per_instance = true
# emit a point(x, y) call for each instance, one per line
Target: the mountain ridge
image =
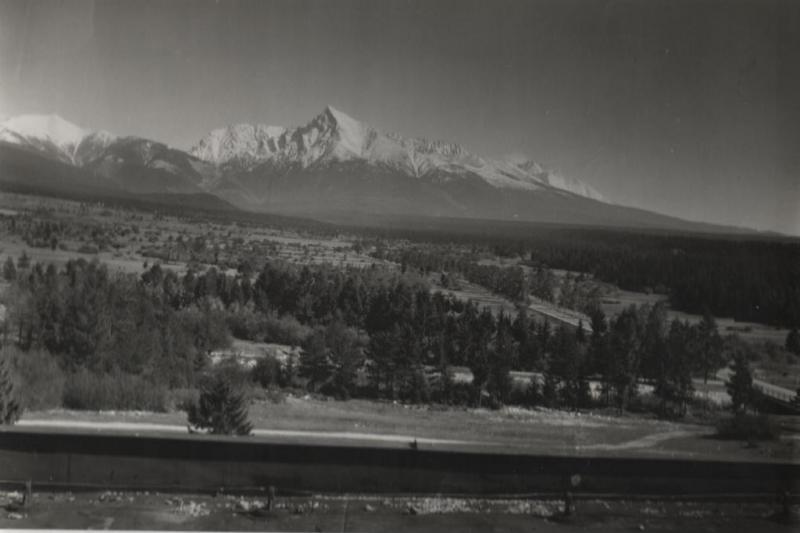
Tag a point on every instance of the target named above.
point(333, 164)
point(333, 136)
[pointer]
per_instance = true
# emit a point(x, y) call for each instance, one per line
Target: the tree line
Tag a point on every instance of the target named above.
point(369, 332)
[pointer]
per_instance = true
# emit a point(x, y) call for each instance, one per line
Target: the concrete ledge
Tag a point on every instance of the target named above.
point(207, 463)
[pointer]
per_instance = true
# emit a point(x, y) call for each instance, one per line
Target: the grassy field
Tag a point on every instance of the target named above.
point(537, 431)
point(127, 234)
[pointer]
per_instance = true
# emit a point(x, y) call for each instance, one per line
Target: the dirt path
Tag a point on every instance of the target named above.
point(647, 441)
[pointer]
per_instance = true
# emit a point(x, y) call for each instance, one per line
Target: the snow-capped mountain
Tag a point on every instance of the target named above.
point(54, 136)
point(334, 137)
point(333, 166)
point(132, 163)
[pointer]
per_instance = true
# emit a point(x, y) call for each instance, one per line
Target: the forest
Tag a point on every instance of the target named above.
point(738, 276)
point(366, 332)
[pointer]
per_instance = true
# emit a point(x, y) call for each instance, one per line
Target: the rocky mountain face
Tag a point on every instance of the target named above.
point(332, 165)
point(133, 164)
point(333, 138)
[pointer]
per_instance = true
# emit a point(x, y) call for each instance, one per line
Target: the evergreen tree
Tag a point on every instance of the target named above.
point(346, 356)
point(543, 336)
point(622, 369)
point(673, 373)
point(598, 349)
point(10, 408)
point(740, 385)
point(709, 347)
point(499, 380)
point(580, 334)
point(220, 410)
point(23, 261)
point(382, 350)
point(9, 270)
point(793, 341)
point(550, 388)
point(654, 342)
point(315, 363)
point(568, 366)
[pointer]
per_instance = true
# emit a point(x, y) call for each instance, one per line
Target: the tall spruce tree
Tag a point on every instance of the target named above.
point(793, 341)
point(622, 369)
point(709, 347)
point(9, 270)
point(498, 383)
point(315, 362)
point(673, 371)
point(220, 410)
point(10, 407)
point(740, 385)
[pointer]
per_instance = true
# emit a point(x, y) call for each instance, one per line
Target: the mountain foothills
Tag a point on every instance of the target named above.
point(331, 166)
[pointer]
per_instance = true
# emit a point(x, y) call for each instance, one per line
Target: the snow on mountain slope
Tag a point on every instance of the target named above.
point(329, 138)
point(54, 136)
point(333, 136)
point(554, 179)
point(132, 163)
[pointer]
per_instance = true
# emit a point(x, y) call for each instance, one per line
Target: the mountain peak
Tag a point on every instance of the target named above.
point(337, 115)
point(50, 127)
point(334, 137)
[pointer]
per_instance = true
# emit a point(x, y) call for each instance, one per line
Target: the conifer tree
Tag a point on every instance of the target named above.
point(709, 347)
point(793, 341)
point(220, 410)
point(499, 381)
point(10, 408)
point(9, 270)
point(740, 386)
point(315, 363)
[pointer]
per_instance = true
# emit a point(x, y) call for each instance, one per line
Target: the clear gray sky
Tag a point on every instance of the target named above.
point(685, 107)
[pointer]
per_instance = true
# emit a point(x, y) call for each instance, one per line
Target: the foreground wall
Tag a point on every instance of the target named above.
point(203, 463)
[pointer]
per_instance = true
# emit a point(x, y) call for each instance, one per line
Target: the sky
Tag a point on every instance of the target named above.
point(689, 108)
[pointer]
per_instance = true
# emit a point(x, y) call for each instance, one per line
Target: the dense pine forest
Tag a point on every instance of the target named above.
point(369, 332)
point(734, 276)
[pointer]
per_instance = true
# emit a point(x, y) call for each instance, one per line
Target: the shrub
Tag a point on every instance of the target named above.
point(220, 409)
point(85, 390)
point(748, 427)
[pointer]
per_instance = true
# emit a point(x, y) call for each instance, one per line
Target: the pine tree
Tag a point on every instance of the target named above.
point(598, 347)
point(710, 354)
point(580, 334)
point(9, 270)
point(220, 410)
point(740, 386)
point(673, 370)
point(793, 341)
point(315, 363)
point(622, 369)
point(499, 380)
point(550, 388)
point(23, 261)
point(10, 408)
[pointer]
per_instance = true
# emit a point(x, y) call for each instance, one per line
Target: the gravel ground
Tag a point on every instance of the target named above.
point(143, 510)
